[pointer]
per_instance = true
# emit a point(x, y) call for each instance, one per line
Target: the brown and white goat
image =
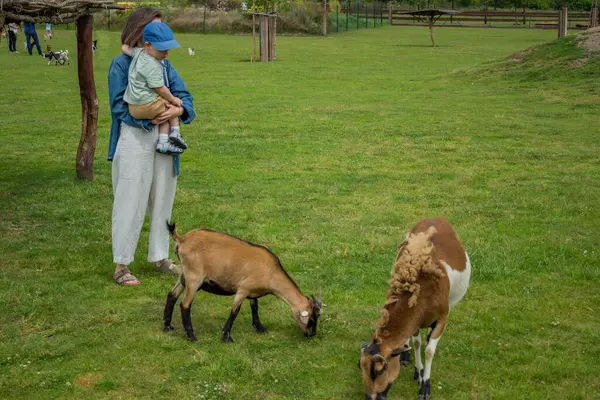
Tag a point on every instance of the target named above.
point(222, 264)
point(430, 275)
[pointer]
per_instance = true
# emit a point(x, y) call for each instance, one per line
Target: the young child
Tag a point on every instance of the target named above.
point(49, 31)
point(146, 92)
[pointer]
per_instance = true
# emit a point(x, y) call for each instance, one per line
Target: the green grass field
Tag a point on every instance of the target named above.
point(327, 156)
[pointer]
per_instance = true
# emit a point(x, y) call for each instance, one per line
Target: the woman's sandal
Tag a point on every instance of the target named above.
point(166, 266)
point(125, 278)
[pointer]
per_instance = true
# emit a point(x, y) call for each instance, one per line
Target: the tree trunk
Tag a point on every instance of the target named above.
point(324, 17)
point(89, 102)
point(431, 31)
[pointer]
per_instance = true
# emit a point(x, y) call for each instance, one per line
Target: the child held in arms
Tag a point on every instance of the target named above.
point(146, 93)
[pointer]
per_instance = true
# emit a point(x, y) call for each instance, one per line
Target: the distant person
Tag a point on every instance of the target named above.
point(13, 29)
point(30, 33)
point(146, 94)
point(49, 31)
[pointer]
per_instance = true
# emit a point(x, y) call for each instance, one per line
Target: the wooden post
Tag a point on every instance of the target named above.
point(562, 22)
point(274, 42)
point(324, 17)
point(390, 13)
point(271, 19)
point(594, 17)
point(264, 37)
point(89, 102)
point(254, 30)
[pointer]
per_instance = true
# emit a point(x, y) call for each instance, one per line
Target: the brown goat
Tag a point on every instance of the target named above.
point(430, 275)
point(222, 264)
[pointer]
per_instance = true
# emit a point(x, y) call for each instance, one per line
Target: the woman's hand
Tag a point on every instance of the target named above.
point(170, 112)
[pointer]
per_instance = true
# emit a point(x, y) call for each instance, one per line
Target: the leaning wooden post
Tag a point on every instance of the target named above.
point(324, 17)
point(89, 102)
point(390, 13)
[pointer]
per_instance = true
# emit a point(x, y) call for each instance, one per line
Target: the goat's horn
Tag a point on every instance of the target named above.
point(379, 357)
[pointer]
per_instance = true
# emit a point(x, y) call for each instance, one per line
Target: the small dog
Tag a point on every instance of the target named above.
point(59, 57)
point(48, 48)
point(191, 51)
point(94, 46)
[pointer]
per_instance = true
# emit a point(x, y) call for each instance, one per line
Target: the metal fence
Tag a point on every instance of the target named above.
point(353, 16)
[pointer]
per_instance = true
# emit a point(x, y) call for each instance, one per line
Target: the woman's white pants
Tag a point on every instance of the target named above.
point(143, 180)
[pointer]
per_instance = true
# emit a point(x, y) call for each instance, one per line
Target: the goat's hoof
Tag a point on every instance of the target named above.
point(168, 328)
point(193, 339)
point(417, 376)
point(260, 328)
point(227, 338)
point(425, 391)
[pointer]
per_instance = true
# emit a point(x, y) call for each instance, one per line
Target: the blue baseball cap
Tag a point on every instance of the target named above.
point(159, 35)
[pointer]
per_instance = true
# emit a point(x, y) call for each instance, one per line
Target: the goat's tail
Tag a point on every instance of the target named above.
point(173, 231)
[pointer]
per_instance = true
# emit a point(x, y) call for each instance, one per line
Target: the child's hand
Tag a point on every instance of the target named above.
point(177, 101)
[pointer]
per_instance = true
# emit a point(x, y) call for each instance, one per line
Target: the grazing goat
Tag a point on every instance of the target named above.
point(430, 275)
point(225, 265)
point(191, 51)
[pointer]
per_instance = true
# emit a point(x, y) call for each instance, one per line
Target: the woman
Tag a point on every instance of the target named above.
point(31, 34)
point(143, 180)
point(13, 29)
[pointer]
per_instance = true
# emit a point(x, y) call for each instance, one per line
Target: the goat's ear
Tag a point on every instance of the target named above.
point(378, 366)
point(317, 303)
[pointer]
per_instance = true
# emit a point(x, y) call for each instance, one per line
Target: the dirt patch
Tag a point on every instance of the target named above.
point(589, 40)
point(578, 63)
point(86, 381)
point(518, 57)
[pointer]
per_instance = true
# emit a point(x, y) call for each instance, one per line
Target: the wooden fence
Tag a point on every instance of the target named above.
point(501, 19)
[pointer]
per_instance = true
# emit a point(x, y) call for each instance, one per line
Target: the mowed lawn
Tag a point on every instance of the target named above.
point(328, 156)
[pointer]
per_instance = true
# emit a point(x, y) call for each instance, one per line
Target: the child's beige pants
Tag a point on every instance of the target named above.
point(148, 110)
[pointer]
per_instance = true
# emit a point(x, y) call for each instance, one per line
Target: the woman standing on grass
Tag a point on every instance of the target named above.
point(143, 180)
point(12, 28)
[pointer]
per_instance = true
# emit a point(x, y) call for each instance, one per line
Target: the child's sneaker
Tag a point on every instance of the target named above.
point(168, 148)
point(176, 138)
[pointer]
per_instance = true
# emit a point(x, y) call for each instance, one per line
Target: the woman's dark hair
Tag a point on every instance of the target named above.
point(133, 31)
